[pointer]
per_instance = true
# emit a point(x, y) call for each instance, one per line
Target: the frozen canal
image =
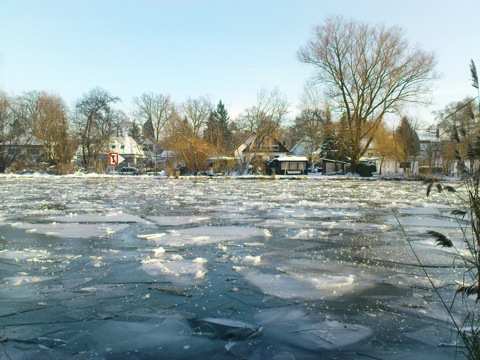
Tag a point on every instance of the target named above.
point(151, 268)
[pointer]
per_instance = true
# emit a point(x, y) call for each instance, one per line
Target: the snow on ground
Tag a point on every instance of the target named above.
point(145, 267)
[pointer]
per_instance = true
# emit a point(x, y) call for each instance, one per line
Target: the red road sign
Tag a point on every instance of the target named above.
point(113, 159)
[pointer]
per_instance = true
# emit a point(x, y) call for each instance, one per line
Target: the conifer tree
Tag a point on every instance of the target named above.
point(407, 141)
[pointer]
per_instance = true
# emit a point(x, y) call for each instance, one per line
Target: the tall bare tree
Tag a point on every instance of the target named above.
point(153, 111)
point(52, 129)
point(196, 112)
point(95, 121)
point(263, 120)
point(367, 71)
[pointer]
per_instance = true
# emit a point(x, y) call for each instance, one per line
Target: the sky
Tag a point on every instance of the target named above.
point(227, 50)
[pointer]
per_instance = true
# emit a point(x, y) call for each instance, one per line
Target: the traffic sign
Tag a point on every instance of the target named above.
point(113, 159)
point(120, 158)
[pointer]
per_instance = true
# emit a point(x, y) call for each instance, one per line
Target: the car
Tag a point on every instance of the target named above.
point(129, 170)
point(314, 169)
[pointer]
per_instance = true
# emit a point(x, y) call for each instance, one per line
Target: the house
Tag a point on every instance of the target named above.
point(287, 165)
point(125, 146)
point(129, 149)
point(429, 159)
point(255, 149)
point(165, 160)
point(25, 150)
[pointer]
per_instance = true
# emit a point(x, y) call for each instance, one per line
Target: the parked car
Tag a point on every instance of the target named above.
point(315, 169)
point(129, 170)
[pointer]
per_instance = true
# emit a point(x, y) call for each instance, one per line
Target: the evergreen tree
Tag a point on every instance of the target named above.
point(135, 132)
point(218, 128)
point(407, 141)
point(223, 121)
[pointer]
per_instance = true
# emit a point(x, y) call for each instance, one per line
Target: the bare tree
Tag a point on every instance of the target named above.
point(460, 121)
point(14, 132)
point(28, 108)
point(52, 129)
point(196, 112)
point(95, 122)
point(34, 118)
point(263, 120)
point(153, 111)
point(184, 134)
point(367, 72)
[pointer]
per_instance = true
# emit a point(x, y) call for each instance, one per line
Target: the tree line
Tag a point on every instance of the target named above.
point(361, 73)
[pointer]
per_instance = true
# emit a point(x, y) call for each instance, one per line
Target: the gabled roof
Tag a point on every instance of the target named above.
point(244, 146)
point(125, 145)
point(306, 146)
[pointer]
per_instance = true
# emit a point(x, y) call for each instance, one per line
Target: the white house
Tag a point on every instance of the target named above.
point(125, 146)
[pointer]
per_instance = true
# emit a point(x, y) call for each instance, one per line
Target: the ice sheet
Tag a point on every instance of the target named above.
point(147, 267)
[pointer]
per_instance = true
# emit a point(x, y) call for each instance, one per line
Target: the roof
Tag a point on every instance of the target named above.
point(335, 161)
point(428, 135)
point(291, 158)
point(306, 146)
point(167, 154)
point(125, 145)
point(247, 141)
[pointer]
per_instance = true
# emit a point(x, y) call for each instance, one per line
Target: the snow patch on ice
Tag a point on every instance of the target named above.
point(114, 217)
point(254, 260)
point(176, 268)
point(22, 280)
point(23, 255)
point(151, 237)
point(298, 286)
point(177, 220)
point(72, 230)
point(203, 235)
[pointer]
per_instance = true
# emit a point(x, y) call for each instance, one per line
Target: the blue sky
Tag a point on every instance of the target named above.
point(225, 49)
